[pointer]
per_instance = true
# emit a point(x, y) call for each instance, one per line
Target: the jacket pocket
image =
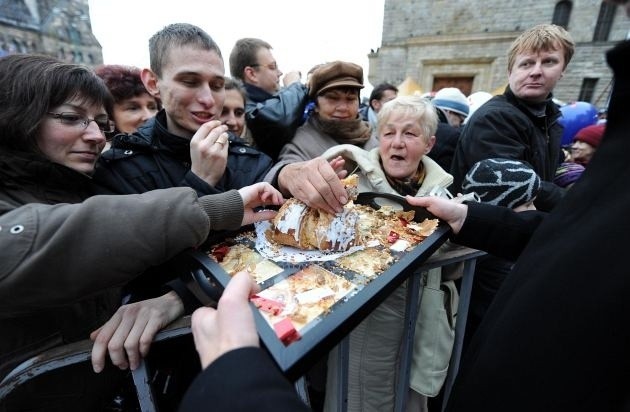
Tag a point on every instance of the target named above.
point(434, 337)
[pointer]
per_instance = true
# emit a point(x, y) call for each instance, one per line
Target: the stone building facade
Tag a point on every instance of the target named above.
point(464, 43)
point(59, 28)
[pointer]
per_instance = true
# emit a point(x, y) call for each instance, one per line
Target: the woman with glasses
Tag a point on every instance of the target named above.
point(64, 254)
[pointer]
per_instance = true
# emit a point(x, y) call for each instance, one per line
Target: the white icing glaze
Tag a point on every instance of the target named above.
point(291, 220)
point(342, 229)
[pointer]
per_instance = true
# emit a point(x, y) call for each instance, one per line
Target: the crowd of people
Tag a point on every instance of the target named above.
point(109, 173)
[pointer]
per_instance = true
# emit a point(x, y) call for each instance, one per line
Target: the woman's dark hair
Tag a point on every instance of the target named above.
point(123, 82)
point(31, 85)
point(236, 84)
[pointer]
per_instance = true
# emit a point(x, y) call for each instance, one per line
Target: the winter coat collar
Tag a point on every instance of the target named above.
point(48, 181)
point(153, 135)
point(369, 165)
point(551, 110)
point(257, 94)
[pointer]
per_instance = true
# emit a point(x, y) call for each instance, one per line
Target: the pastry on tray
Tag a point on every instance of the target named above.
point(303, 227)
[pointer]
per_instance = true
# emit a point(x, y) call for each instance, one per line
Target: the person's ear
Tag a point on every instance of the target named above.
point(249, 74)
point(375, 104)
point(430, 145)
point(150, 81)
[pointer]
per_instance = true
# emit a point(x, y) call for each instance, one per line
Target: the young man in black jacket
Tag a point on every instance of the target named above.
point(185, 144)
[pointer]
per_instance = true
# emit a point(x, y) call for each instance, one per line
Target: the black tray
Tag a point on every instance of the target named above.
point(329, 329)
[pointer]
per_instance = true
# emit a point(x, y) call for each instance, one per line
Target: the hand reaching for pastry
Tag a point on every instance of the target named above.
point(256, 195)
point(452, 211)
point(316, 182)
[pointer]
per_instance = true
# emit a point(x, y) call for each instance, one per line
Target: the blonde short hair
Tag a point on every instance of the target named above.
point(416, 106)
point(543, 37)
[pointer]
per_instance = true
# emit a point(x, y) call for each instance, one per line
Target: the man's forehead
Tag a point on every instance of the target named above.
point(181, 56)
point(266, 53)
point(192, 59)
point(533, 54)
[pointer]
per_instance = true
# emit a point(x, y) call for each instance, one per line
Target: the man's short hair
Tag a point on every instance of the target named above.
point(244, 54)
point(379, 90)
point(543, 37)
point(177, 35)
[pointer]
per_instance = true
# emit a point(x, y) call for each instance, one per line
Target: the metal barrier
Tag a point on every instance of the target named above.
point(78, 352)
point(463, 255)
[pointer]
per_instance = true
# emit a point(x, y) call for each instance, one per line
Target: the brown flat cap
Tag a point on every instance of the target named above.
point(335, 74)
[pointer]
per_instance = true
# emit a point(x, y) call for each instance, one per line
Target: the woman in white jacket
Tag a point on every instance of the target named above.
point(406, 133)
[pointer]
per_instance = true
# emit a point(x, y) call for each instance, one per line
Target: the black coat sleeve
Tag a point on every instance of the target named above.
point(498, 230)
point(242, 380)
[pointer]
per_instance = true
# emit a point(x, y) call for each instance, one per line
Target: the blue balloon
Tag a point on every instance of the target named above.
point(576, 116)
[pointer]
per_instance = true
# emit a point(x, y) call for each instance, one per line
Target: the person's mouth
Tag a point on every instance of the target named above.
point(203, 117)
point(87, 155)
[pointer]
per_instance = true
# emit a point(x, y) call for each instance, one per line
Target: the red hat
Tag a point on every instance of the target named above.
point(591, 134)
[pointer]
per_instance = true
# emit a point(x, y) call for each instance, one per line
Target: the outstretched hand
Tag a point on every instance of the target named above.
point(451, 211)
point(128, 334)
point(256, 195)
point(316, 182)
point(231, 326)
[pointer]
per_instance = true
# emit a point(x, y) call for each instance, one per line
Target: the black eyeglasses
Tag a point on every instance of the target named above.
point(81, 122)
point(271, 66)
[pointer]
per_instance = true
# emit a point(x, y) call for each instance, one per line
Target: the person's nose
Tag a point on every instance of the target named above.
point(146, 114)
point(536, 69)
point(342, 106)
point(205, 96)
point(93, 133)
point(397, 141)
point(230, 120)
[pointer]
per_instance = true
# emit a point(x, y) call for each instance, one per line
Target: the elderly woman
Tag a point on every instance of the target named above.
point(334, 88)
point(133, 105)
point(64, 254)
point(406, 130)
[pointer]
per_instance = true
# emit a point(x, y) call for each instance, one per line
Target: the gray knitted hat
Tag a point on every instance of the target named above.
point(502, 182)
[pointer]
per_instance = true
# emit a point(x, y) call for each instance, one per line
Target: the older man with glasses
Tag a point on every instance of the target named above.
point(272, 113)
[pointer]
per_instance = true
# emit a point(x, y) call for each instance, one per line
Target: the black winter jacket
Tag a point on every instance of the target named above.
point(505, 127)
point(153, 158)
point(273, 119)
point(446, 138)
point(555, 337)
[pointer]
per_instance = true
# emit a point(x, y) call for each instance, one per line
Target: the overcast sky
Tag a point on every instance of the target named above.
point(302, 33)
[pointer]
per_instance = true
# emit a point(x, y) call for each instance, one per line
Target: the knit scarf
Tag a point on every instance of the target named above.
point(409, 185)
point(356, 132)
